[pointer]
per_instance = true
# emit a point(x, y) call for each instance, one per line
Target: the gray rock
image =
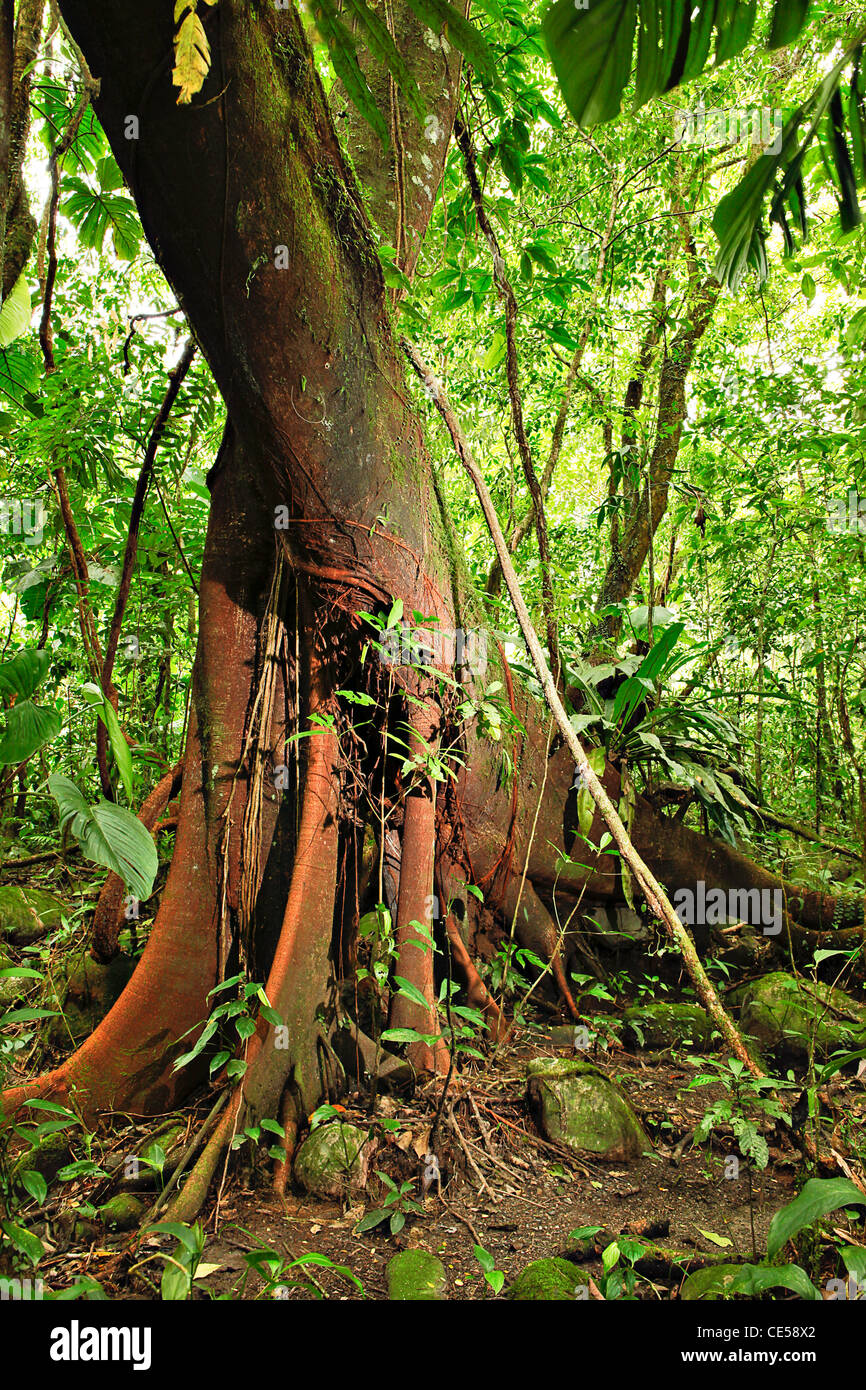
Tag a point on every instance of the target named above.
point(668, 1025)
point(12, 988)
point(90, 990)
point(47, 1158)
point(616, 928)
point(123, 1212)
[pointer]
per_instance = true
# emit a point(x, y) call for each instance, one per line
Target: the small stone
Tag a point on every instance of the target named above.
point(28, 914)
point(334, 1160)
point(85, 1232)
point(88, 993)
point(669, 1025)
point(548, 1280)
point(122, 1213)
point(12, 987)
point(416, 1276)
point(50, 1155)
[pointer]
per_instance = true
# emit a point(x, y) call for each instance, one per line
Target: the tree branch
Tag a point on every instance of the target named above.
point(651, 888)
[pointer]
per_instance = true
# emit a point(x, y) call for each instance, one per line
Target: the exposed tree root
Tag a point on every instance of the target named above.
point(298, 977)
point(126, 1064)
point(477, 992)
point(414, 904)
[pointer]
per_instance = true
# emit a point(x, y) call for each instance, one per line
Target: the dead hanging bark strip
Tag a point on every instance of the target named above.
point(175, 381)
point(503, 285)
point(651, 888)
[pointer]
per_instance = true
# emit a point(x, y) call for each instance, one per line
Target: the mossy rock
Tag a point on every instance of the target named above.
point(28, 914)
point(122, 1213)
point(549, 1280)
point(416, 1276)
point(669, 1025)
point(576, 1105)
point(782, 1014)
point(46, 1158)
point(142, 1173)
point(12, 988)
point(89, 991)
point(334, 1160)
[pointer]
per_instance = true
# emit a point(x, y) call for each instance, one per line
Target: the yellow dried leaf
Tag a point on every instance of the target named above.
point(422, 1141)
point(192, 58)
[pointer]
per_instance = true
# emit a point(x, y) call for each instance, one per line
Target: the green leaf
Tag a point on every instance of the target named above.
point(558, 333)
point(854, 1257)
point(722, 1241)
point(185, 1234)
point(585, 803)
point(109, 835)
point(591, 48)
point(119, 746)
point(372, 1218)
point(28, 728)
point(591, 54)
point(36, 1185)
point(15, 313)
point(495, 353)
point(342, 51)
point(175, 1284)
point(410, 991)
point(655, 659)
point(408, 1035)
point(737, 219)
point(789, 16)
point(723, 1281)
point(27, 1016)
point(95, 214)
point(274, 1127)
point(439, 14)
point(818, 1197)
point(23, 1240)
point(24, 672)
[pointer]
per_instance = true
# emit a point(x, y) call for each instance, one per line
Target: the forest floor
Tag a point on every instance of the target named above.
point(534, 1195)
point(504, 1188)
